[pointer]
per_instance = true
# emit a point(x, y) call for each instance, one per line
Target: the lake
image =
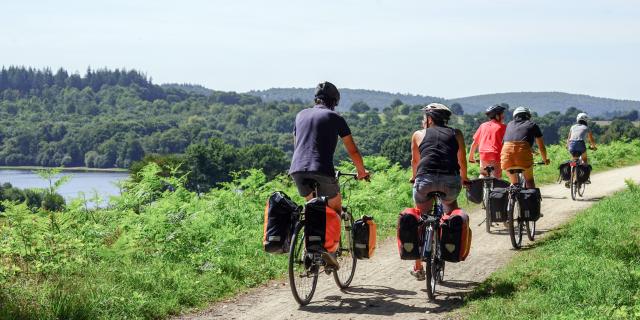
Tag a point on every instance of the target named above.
point(104, 183)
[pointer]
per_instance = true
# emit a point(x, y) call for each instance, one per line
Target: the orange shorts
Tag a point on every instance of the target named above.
point(516, 154)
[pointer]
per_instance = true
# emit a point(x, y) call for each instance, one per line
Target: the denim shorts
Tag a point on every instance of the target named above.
point(577, 147)
point(450, 185)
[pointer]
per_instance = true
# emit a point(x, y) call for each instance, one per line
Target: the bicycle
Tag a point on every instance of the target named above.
point(305, 265)
point(577, 186)
point(431, 251)
point(513, 215)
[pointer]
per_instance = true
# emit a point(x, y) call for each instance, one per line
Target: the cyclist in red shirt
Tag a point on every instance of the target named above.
point(488, 141)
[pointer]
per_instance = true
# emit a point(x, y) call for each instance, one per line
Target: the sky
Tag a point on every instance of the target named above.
point(440, 48)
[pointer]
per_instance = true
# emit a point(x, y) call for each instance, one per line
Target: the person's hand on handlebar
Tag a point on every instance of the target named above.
point(472, 159)
point(465, 181)
point(546, 161)
point(593, 147)
point(363, 175)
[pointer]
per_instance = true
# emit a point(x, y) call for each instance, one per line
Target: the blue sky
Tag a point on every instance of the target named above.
point(441, 48)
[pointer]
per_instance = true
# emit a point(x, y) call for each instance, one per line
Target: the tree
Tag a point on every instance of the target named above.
point(398, 150)
point(456, 108)
point(360, 107)
point(396, 103)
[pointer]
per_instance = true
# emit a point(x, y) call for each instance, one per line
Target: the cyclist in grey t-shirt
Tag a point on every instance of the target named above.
point(578, 133)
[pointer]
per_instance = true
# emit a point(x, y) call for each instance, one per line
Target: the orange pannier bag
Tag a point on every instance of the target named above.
point(455, 236)
point(408, 234)
point(322, 225)
point(364, 237)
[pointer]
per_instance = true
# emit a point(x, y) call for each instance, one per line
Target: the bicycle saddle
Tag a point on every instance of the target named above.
point(436, 194)
point(516, 170)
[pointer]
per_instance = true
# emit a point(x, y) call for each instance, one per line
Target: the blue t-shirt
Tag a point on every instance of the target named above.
point(316, 132)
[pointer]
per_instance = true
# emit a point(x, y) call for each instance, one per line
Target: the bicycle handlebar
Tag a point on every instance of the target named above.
point(351, 174)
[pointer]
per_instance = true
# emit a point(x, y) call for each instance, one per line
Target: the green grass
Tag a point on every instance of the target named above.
point(589, 269)
point(155, 253)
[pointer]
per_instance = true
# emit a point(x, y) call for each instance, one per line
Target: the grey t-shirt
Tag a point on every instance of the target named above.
point(522, 130)
point(578, 132)
point(316, 132)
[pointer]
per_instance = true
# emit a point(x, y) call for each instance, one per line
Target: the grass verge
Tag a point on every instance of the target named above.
point(589, 269)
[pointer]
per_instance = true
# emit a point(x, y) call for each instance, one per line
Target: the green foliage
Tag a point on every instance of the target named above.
point(587, 270)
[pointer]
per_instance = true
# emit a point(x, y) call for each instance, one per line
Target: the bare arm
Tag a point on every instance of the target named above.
point(415, 153)
point(592, 141)
point(472, 151)
point(568, 137)
point(543, 150)
point(462, 156)
point(355, 156)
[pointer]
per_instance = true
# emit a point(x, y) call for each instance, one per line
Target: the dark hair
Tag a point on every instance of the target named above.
point(439, 118)
point(522, 116)
point(582, 122)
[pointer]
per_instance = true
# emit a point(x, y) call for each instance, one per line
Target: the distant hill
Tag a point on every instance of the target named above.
point(541, 102)
point(375, 99)
point(189, 88)
point(545, 102)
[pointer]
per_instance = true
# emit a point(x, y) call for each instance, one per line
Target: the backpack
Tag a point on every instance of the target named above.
point(529, 200)
point(474, 192)
point(322, 226)
point(278, 222)
point(583, 172)
point(364, 237)
point(408, 234)
point(498, 201)
point(455, 236)
point(565, 171)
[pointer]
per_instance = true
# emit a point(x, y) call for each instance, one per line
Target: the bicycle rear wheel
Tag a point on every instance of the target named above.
point(303, 270)
point(531, 230)
point(487, 210)
point(581, 188)
point(344, 254)
point(432, 266)
point(515, 224)
point(574, 186)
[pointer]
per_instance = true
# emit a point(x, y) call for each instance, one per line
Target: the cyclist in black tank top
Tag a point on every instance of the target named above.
point(438, 151)
point(438, 162)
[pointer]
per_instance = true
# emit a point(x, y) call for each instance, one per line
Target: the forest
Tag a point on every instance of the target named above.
point(115, 118)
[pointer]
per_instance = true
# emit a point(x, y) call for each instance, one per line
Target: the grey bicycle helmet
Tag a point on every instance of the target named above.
point(494, 110)
point(522, 110)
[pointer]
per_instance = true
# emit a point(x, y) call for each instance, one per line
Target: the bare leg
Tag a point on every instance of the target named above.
point(528, 178)
point(584, 158)
point(424, 208)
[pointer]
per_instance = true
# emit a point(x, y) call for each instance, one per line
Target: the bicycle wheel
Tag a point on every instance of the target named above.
point(581, 188)
point(531, 230)
point(573, 183)
point(344, 254)
point(432, 266)
point(487, 210)
point(303, 271)
point(514, 224)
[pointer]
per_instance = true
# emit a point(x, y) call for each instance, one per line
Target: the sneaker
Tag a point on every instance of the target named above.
point(588, 181)
point(567, 184)
point(418, 274)
point(330, 260)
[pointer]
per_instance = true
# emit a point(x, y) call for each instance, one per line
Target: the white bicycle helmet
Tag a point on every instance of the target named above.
point(520, 110)
point(582, 117)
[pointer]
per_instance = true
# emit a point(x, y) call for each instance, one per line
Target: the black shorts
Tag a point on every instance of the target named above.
point(327, 185)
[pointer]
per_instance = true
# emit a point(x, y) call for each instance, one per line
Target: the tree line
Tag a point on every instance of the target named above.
point(115, 118)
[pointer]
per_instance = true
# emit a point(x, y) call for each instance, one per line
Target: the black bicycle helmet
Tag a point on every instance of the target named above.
point(328, 93)
point(494, 110)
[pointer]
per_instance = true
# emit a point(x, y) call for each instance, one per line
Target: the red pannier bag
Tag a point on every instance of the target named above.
point(322, 225)
point(408, 234)
point(455, 236)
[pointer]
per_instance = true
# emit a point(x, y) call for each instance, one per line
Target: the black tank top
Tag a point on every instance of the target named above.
point(439, 151)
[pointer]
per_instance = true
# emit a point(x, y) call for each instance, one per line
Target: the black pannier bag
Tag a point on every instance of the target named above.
point(565, 171)
point(408, 234)
point(498, 183)
point(498, 201)
point(474, 192)
point(529, 200)
point(278, 222)
point(583, 172)
point(364, 237)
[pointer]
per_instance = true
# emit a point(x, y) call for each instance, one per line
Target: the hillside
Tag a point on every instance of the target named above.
point(544, 102)
point(541, 102)
point(375, 99)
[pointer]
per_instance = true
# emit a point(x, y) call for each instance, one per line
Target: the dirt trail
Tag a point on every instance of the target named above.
point(382, 287)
